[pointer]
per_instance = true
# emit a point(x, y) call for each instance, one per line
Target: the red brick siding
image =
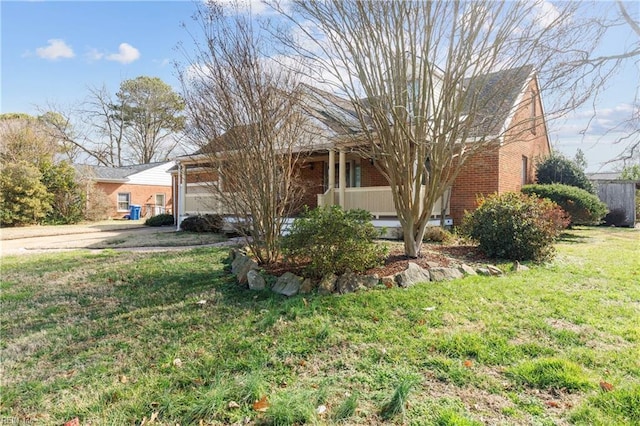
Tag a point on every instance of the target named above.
point(370, 175)
point(501, 170)
point(140, 194)
point(478, 177)
point(311, 177)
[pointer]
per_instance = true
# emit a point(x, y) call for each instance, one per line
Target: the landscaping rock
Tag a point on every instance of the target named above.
point(389, 281)
point(517, 267)
point(444, 274)
point(288, 284)
point(327, 284)
point(255, 280)
point(412, 275)
point(483, 271)
point(467, 270)
point(494, 270)
point(308, 285)
point(241, 267)
point(350, 282)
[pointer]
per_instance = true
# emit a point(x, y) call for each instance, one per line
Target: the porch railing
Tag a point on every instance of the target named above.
point(378, 200)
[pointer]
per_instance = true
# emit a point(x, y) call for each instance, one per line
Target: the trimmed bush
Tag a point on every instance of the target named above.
point(160, 220)
point(332, 240)
point(203, 223)
point(559, 169)
point(582, 207)
point(515, 226)
point(437, 234)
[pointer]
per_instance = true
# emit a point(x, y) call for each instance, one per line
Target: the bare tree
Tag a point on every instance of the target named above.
point(418, 73)
point(244, 113)
point(143, 123)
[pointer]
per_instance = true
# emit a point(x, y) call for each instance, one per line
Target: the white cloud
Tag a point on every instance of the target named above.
point(94, 55)
point(56, 49)
point(545, 13)
point(126, 54)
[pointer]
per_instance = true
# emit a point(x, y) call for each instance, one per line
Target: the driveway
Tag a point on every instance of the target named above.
point(38, 239)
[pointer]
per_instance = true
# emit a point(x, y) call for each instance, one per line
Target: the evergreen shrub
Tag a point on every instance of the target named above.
point(332, 240)
point(515, 226)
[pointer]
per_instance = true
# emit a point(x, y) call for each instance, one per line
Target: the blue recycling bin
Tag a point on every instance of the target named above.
point(134, 212)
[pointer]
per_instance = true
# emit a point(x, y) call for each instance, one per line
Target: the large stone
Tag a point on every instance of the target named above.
point(349, 282)
point(517, 267)
point(412, 275)
point(255, 280)
point(308, 285)
point(327, 284)
point(494, 270)
point(244, 265)
point(288, 284)
point(444, 274)
point(467, 270)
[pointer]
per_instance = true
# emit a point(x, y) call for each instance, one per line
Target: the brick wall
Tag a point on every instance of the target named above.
point(140, 194)
point(500, 170)
point(370, 175)
point(311, 176)
point(478, 177)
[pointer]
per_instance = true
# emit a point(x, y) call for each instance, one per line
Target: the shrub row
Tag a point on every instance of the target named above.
point(583, 207)
point(203, 223)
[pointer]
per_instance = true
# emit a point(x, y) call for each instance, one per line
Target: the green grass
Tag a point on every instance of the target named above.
point(161, 238)
point(97, 336)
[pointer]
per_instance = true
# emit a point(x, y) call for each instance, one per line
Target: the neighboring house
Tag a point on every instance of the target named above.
point(146, 185)
point(618, 194)
point(334, 175)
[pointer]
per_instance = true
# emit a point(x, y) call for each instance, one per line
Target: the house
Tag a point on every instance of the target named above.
point(514, 121)
point(619, 195)
point(146, 185)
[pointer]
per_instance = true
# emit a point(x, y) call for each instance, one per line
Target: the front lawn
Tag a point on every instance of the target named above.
point(126, 338)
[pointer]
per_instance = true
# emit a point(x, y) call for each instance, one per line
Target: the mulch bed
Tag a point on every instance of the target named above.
point(432, 254)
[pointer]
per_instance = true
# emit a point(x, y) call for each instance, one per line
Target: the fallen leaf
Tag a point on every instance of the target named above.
point(232, 405)
point(388, 284)
point(73, 422)
point(261, 405)
point(468, 363)
point(177, 363)
point(430, 308)
point(422, 322)
point(306, 303)
point(607, 387)
point(552, 404)
point(201, 302)
point(123, 379)
point(375, 319)
point(321, 409)
point(302, 363)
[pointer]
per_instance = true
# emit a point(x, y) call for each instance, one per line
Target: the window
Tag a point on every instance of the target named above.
point(525, 170)
point(160, 200)
point(124, 199)
point(159, 207)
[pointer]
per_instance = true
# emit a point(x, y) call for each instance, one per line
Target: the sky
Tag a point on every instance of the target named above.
point(52, 52)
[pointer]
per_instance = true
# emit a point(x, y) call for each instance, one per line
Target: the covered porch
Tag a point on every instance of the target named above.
point(332, 177)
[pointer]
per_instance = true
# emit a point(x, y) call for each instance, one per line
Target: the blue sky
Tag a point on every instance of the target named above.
point(52, 51)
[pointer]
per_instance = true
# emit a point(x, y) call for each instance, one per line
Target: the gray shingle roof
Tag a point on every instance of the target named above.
point(115, 173)
point(497, 94)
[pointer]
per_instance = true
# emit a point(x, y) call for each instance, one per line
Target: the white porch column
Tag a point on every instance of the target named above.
point(182, 193)
point(332, 175)
point(342, 172)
